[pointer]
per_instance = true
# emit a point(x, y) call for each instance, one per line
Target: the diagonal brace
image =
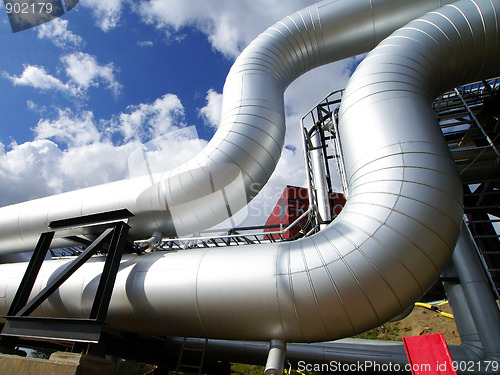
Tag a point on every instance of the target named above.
point(64, 275)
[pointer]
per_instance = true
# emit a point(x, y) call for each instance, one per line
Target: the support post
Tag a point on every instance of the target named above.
point(108, 277)
point(28, 281)
point(20, 324)
point(276, 358)
point(63, 276)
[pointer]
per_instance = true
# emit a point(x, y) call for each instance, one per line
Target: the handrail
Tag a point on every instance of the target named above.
point(237, 236)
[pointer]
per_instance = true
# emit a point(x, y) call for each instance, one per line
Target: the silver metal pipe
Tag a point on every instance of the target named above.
point(310, 188)
point(476, 316)
point(243, 153)
point(353, 355)
point(319, 175)
point(152, 242)
point(477, 291)
point(398, 228)
point(276, 358)
point(462, 314)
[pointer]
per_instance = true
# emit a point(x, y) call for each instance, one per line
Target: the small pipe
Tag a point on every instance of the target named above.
point(320, 177)
point(276, 358)
point(151, 243)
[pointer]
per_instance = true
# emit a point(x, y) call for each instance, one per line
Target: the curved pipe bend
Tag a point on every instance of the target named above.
point(389, 244)
point(243, 153)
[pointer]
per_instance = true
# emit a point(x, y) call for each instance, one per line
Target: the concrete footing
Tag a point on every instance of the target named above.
point(59, 363)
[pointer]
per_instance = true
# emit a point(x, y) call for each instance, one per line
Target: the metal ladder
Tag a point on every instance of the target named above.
point(191, 356)
point(313, 199)
point(479, 208)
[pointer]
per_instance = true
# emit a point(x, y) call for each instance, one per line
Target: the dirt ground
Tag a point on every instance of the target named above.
point(421, 321)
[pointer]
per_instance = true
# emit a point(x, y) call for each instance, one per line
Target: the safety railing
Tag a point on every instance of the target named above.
point(243, 235)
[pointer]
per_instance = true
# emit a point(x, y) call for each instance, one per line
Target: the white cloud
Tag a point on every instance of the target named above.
point(41, 167)
point(38, 78)
point(211, 112)
point(230, 25)
point(74, 131)
point(165, 152)
point(145, 43)
point(106, 12)
point(75, 150)
point(27, 171)
point(94, 164)
point(57, 31)
point(146, 121)
point(84, 71)
point(32, 105)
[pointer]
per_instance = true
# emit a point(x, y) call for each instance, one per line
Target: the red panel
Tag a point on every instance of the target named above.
point(428, 354)
point(297, 204)
point(276, 215)
point(294, 201)
point(337, 202)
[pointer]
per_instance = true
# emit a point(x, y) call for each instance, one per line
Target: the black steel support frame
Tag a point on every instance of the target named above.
point(19, 324)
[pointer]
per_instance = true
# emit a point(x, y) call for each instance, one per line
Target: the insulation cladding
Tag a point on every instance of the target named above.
point(387, 247)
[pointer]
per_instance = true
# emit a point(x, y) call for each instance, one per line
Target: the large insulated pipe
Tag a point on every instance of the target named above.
point(474, 309)
point(243, 153)
point(387, 247)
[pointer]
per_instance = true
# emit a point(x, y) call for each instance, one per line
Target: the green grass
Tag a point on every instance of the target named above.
point(391, 333)
point(240, 369)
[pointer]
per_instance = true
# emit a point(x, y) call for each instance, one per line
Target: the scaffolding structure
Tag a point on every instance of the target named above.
point(469, 119)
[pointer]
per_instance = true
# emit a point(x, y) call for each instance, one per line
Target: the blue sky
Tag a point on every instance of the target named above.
point(80, 94)
point(140, 59)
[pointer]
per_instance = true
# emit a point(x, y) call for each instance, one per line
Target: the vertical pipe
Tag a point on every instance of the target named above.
point(308, 167)
point(319, 176)
point(477, 291)
point(462, 316)
point(276, 358)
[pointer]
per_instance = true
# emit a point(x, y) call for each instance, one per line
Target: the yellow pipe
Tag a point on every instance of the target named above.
point(435, 308)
